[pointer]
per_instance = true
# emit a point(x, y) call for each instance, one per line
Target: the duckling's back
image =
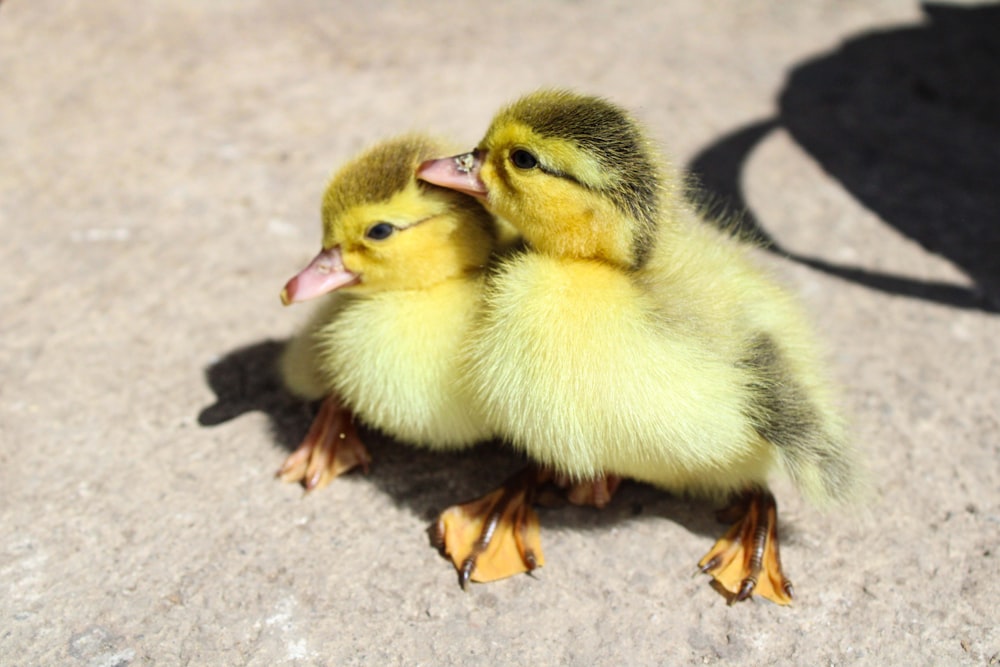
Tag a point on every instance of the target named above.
point(705, 278)
point(696, 372)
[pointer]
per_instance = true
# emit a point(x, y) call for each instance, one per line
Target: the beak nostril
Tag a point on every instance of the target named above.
point(464, 163)
point(458, 172)
point(325, 273)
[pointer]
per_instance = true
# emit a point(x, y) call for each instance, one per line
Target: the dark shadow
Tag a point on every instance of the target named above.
point(246, 380)
point(422, 481)
point(908, 121)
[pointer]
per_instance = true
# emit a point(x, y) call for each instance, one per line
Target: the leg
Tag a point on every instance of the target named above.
point(596, 492)
point(495, 536)
point(331, 448)
point(746, 560)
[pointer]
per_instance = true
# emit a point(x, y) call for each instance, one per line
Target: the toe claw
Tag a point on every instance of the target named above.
point(709, 565)
point(466, 572)
point(745, 590)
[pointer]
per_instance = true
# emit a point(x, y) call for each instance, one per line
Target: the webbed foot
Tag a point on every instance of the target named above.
point(495, 536)
point(745, 561)
point(330, 448)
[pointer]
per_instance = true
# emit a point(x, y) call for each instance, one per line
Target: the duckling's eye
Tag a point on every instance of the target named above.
point(380, 231)
point(522, 159)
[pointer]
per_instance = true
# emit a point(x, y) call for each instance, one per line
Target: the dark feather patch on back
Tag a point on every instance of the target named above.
point(780, 408)
point(783, 414)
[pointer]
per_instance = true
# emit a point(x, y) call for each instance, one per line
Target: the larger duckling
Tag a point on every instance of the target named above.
point(634, 339)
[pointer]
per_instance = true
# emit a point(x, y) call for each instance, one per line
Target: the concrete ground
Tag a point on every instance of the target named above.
point(160, 172)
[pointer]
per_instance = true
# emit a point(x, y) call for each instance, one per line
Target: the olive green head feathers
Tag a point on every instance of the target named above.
point(384, 229)
point(576, 172)
point(405, 261)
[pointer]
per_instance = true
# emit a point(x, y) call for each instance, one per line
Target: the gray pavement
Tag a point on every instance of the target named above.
point(161, 166)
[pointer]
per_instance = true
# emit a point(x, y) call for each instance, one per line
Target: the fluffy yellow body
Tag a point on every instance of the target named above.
point(633, 338)
point(395, 359)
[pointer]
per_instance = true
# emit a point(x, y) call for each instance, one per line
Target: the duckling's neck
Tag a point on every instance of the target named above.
point(592, 229)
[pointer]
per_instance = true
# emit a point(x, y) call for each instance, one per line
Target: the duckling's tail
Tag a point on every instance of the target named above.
point(808, 436)
point(825, 468)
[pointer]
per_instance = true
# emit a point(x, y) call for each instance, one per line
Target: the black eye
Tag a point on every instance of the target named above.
point(522, 159)
point(380, 231)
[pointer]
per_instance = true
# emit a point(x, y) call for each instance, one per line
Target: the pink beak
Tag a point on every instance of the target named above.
point(324, 274)
point(460, 172)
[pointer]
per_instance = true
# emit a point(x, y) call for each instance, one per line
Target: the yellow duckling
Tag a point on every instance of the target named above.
point(406, 263)
point(404, 260)
point(634, 339)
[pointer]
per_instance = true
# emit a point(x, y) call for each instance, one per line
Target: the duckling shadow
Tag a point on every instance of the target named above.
point(246, 380)
point(421, 481)
point(907, 121)
point(636, 501)
point(425, 483)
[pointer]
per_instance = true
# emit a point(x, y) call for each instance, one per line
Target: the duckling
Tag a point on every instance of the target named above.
point(634, 339)
point(404, 262)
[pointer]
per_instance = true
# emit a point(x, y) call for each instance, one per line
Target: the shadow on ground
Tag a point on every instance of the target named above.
point(908, 122)
point(422, 481)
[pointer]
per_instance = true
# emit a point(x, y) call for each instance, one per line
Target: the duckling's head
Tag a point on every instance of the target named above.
point(385, 230)
point(573, 173)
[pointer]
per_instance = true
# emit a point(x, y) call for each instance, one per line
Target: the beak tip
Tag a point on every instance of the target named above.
point(459, 172)
point(324, 274)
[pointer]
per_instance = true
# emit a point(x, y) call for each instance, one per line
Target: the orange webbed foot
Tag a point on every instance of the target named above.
point(330, 448)
point(495, 536)
point(745, 561)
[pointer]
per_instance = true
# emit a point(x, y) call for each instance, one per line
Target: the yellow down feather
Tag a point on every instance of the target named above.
point(633, 338)
point(389, 346)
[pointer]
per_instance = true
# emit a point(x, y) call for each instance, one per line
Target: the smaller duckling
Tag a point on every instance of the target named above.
point(402, 271)
point(404, 262)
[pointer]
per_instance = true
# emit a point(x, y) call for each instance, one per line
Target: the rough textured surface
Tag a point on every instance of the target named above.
point(161, 170)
